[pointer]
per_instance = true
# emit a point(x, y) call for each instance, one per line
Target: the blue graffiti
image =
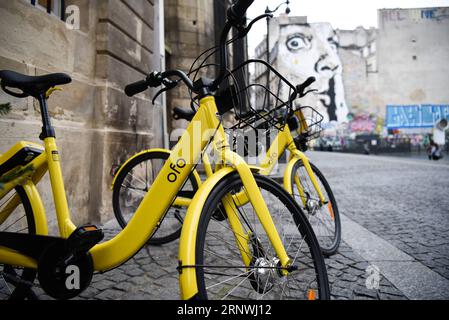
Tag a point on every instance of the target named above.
point(428, 14)
point(415, 116)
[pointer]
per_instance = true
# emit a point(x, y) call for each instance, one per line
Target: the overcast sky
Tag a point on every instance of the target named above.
point(342, 14)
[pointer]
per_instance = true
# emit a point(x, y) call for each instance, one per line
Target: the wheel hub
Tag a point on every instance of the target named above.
point(265, 274)
point(312, 206)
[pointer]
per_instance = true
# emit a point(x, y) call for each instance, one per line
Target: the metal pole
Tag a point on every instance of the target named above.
point(268, 54)
point(267, 11)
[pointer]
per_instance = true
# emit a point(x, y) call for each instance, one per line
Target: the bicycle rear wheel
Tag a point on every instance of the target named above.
point(15, 283)
point(221, 273)
point(324, 218)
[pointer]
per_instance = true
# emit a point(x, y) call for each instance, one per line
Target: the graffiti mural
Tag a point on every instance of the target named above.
point(307, 50)
point(415, 116)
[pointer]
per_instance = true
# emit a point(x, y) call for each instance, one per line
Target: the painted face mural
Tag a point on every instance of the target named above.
point(311, 50)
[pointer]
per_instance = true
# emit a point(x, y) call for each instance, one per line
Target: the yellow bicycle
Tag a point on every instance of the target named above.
point(266, 249)
point(302, 179)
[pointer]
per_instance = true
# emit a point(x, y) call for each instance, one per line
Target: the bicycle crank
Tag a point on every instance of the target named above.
point(66, 269)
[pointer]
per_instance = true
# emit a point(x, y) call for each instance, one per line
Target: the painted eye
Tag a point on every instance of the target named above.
point(296, 43)
point(333, 44)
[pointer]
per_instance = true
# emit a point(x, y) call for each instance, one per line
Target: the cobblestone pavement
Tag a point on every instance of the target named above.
point(152, 275)
point(402, 201)
point(405, 202)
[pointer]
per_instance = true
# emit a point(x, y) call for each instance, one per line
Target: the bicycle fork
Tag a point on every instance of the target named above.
point(252, 194)
point(299, 156)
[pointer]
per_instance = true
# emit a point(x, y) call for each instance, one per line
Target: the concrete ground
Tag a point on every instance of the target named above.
point(395, 244)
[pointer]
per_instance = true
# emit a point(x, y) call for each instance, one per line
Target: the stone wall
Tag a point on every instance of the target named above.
point(97, 126)
point(404, 62)
point(189, 26)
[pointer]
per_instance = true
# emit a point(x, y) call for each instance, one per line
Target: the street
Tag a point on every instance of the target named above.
point(395, 243)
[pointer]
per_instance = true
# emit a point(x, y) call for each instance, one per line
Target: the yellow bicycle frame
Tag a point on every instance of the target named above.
point(156, 202)
point(284, 141)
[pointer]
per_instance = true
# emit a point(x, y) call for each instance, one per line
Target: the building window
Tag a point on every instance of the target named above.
point(56, 7)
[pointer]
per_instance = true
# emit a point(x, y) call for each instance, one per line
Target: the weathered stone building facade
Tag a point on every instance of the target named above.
point(402, 63)
point(97, 125)
point(189, 30)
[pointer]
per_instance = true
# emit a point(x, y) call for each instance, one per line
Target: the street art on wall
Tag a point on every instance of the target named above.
point(437, 14)
point(363, 123)
point(415, 116)
point(307, 50)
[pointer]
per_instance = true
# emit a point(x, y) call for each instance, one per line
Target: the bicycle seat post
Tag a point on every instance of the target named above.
point(47, 129)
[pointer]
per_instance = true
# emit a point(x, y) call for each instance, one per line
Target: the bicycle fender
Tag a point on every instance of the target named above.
point(40, 218)
point(288, 172)
point(187, 243)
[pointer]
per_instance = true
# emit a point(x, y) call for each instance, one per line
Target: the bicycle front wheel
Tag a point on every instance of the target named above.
point(221, 272)
point(323, 217)
point(16, 283)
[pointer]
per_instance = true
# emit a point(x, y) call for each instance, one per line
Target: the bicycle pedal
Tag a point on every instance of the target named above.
point(84, 238)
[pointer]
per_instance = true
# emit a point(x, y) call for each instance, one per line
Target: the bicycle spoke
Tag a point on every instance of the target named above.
point(229, 244)
point(7, 228)
point(137, 178)
point(237, 286)
point(263, 280)
point(297, 252)
point(135, 190)
point(6, 283)
point(234, 277)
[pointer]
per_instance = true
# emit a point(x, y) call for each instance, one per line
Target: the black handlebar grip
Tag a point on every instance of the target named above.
point(238, 10)
point(136, 87)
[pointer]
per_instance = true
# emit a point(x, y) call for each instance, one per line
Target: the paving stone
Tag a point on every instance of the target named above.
point(102, 284)
point(142, 280)
point(364, 292)
point(135, 272)
point(125, 286)
point(110, 294)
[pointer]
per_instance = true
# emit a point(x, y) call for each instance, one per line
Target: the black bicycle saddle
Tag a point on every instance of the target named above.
point(29, 85)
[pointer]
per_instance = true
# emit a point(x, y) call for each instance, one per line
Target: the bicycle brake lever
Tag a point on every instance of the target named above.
point(159, 93)
point(169, 85)
point(245, 30)
point(307, 92)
